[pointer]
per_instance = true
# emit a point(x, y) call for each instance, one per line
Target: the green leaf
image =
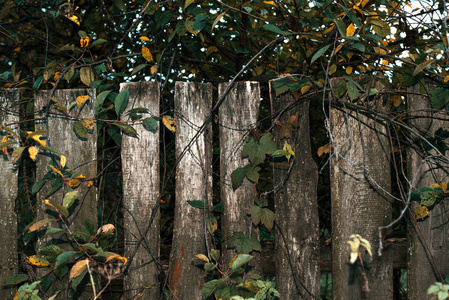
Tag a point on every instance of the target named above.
point(267, 217)
point(45, 282)
point(15, 280)
point(422, 66)
point(121, 101)
point(61, 271)
point(218, 207)
point(240, 260)
point(196, 203)
point(37, 186)
point(273, 28)
point(256, 214)
point(121, 6)
point(77, 280)
point(51, 249)
point(55, 187)
point(87, 75)
point(209, 267)
point(69, 198)
point(126, 128)
point(80, 130)
point(341, 27)
point(150, 124)
point(255, 242)
point(240, 242)
point(267, 143)
point(99, 42)
point(353, 91)
point(100, 100)
point(253, 174)
point(319, 53)
point(215, 254)
point(64, 257)
point(237, 177)
point(52, 230)
point(138, 68)
point(37, 83)
point(279, 153)
point(439, 98)
point(59, 207)
point(49, 149)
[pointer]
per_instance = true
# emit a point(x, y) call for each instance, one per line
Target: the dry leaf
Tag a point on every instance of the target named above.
point(78, 268)
point(62, 160)
point(88, 123)
point(169, 123)
point(84, 41)
point(147, 54)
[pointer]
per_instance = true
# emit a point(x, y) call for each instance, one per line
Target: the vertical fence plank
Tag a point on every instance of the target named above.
point(9, 113)
point(81, 153)
point(193, 102)
point(421, 270)
point(297, 234)
point(140, 169)
point(361, 154)
point(237, 114)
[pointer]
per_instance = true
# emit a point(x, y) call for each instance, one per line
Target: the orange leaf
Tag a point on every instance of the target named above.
point(78, 268)
point(202, 257)
point(84, 41)
point(169, 123)
point(144, 38)
point(348, 70)
point(37, 138)
point(118, 257)
point(147, 54)
point(323, 149)
point(88, 124)
point(350, 30)
point(107, 228)
point(153, 69)
point(75, 182)
point(36, 260)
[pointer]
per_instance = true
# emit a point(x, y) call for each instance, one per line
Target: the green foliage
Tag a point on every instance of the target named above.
point(440, 290)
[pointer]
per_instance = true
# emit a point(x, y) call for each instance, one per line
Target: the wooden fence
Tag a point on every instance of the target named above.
point(360, 190)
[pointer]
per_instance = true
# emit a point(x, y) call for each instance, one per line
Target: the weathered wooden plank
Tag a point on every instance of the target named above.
point(421, 270)
point(193, 102)
point(9, 114)
point(237, 114)
point(140, 171)
point(297, 234)
point(360, 175)
point(81, 155)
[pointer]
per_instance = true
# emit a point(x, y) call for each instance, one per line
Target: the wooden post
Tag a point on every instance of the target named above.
point(422, 271)
point(297, 234)
point(193, 102)
point(140, 171)
point(360, 170)
point(238, 113)
point(81, 153)
point(9, 113)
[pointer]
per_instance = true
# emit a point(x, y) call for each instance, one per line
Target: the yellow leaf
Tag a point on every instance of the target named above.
point(88, 123)
point(350, 30)
point(421, 211)
point(56, 76)
point(153, 69)
point(5, 139)
point(63, 160)
point(359, 10)
point(446, 79)
point(90, 183)
point(202, 257)
point(326, 31)
point(80, 100)
point(348, 70)
point(84, 41)
point(36, 260)
point(338, 48)
point(37, 138)
point(147, 54)
point(269, 2)
point(33, 151)
point(384, 62)
point(305, 89)
point(396, 99)
point(74, 19)
point(55, 170)
point(144, 38)
point(362, 68)
point(118, 257)
point(107, 228)
point(288, 148)
point(78, 268)
point(169, 123)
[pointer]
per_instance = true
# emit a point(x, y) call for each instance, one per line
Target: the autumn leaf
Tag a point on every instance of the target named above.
point(33, 151)
point(288, 149)
point(202, 257)
point(88, 123)
point(117, 257)
point(144, 38)
point(350, 30)
point(38, 261)
point(63, 161)
point(78, 268)
point(323, 150)
point(84, 41)
point(80, 100)
point(37, 138)
point(106, 229)
point(147, 54)
point(169, 123)
point(421, 211)
point(55, 170)
point(75, 182)
point(153, 69)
